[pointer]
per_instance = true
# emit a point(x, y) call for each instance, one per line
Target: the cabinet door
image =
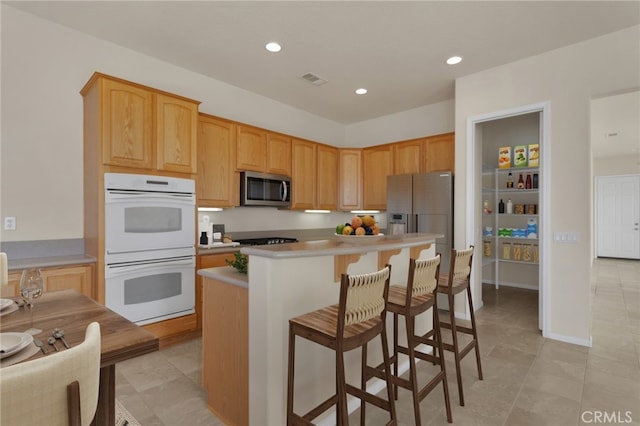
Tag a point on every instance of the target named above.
point(127, 125)
point(177, 134)
point(440, 153)
point(251, 146)
point(350, 171)
point(204, 262)
point(216, 183)
point(327, 181)
point(278, 154)
point(407, 156)
point(303, 174)
point(377, 164)
point(79, 278)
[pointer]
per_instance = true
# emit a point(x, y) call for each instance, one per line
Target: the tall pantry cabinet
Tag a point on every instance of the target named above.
point(130, 128)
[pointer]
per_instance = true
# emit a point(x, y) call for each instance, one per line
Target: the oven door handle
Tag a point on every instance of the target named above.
point(115, 195)
point(118, 269)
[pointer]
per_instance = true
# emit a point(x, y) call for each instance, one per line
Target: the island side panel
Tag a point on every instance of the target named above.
point(225, 339)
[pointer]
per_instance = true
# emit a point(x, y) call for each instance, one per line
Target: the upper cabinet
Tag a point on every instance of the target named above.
point(377, 164)
point(177, 134)
point(408, 156)
point(133, 126)
point(303, 176)
point(278, 154)
point(327, 181)
point(251, 148)
point(440, 153)
point(217, 181)
point(350, 178)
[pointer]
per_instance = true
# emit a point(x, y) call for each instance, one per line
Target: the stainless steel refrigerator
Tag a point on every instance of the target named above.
point(422, 202)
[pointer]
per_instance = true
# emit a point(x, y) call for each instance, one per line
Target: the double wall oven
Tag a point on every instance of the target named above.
point(149, 246)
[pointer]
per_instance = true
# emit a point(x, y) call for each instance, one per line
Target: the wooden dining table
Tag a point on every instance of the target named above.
point(73, 312)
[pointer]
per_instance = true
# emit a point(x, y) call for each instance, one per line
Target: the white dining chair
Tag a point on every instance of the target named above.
point(4, 269)
point(58, 389)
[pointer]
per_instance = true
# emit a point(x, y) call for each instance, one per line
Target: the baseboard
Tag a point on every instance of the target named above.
point(569, 339)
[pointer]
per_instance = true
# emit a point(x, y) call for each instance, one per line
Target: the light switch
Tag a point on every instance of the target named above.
point(10, 223)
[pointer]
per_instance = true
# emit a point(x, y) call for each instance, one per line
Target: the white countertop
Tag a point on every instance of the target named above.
point(226, 274)
point(333, 246)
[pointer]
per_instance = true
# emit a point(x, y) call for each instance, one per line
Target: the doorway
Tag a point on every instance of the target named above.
point(618, 216)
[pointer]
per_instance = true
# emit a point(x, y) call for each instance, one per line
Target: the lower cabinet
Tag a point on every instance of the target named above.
point(203, 262)
point(75, 277)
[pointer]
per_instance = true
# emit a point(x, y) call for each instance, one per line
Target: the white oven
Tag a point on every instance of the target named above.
point(149, 246)
point(148, 213)
point(146, 291)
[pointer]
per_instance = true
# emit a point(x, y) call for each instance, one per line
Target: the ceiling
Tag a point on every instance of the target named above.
point(395, 49)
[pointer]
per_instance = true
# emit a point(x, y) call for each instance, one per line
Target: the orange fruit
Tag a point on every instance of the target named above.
point(356, 222)
point(375, 229)
point(360, 231)
point(347, 230)
point(368, 220)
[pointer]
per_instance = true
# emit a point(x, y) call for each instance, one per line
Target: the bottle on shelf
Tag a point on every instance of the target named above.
point(510, 181)
point(527, 184)
point(509, 207)
point(501, 207)
point(535, 181)
point(520, 182)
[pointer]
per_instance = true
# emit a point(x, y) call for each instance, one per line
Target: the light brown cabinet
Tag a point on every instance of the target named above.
point(377, 164)
point(278, 154)
point(176, 133)
point(303, 176)
point(217, 181)
point(251, 148)
point(350, 177)
point(408, 156)
point(327, 177)
point(440, 153)
point(140, 128)
point(204, 262)
point(74, 277)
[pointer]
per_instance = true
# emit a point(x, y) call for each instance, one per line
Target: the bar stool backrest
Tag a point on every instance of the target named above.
point(364, 296)
point(425, 276)
point(461, 265)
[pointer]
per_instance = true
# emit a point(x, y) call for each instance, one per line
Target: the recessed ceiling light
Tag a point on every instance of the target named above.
point(454, 60)
point(361, 91)
point(273, 47)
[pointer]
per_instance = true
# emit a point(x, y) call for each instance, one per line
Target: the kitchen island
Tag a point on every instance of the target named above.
point(245, 323)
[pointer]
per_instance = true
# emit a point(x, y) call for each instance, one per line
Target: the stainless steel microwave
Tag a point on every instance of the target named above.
point(263, 189)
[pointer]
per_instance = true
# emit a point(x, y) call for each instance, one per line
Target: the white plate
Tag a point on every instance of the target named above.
point(5, 303)
point(10, 343)
point(359, 239)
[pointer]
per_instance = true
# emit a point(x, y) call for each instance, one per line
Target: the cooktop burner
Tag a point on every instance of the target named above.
point(265, 241)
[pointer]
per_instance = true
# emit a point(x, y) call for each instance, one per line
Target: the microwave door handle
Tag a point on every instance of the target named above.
point(283, 191)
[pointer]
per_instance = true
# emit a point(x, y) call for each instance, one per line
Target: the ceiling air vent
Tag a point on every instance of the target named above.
point(314, 79)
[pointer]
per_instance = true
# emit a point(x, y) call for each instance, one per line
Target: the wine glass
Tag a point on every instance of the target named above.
point(31, 287)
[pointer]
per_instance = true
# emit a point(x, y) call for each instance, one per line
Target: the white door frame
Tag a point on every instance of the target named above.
point(474, 191)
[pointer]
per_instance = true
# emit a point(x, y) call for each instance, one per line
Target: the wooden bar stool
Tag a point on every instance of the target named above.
point(417, 297)
point(457, 281)
point(357, 319)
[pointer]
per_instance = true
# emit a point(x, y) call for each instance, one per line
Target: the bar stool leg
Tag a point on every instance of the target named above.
point(395, 354)
point(341, 405)
point(388, 376)
point(443, 368)
point(456, 350)
point(413, 377)
point(475, 334)
point(363, 383)
point(292, 355)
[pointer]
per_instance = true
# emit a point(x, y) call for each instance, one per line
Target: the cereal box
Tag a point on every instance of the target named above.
point(533, 155)
point(504, 157)
point(520, 156)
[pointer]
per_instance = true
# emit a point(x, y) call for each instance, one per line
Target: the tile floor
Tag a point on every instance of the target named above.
point(528, 380)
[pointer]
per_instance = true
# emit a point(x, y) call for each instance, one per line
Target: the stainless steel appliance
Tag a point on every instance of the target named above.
point(149, 246)
point(266, 241)
point(263, 189)
point(422, 202)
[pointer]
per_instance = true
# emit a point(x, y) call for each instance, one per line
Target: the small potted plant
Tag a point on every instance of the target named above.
point(240, 262)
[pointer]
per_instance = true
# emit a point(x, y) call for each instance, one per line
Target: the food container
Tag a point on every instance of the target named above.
point(532, 228)
point(506, 251)
point(517, 251)
point(504, 157)
point(533, 155)
point(520, 156)
point(531, 208)
point(486, 249)
point(535, 253)
point(518, 208)
point(527, 253)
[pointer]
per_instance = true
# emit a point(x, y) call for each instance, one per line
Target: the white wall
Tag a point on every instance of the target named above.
point(613, 166)
point(568, 78)
point(44, 66)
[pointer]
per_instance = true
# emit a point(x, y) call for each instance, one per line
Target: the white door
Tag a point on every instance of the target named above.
point(618, 216)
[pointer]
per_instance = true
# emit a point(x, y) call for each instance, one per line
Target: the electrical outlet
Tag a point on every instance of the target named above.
point(10, 223)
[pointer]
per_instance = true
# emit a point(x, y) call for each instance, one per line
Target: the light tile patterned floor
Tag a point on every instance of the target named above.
point(528, 380)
